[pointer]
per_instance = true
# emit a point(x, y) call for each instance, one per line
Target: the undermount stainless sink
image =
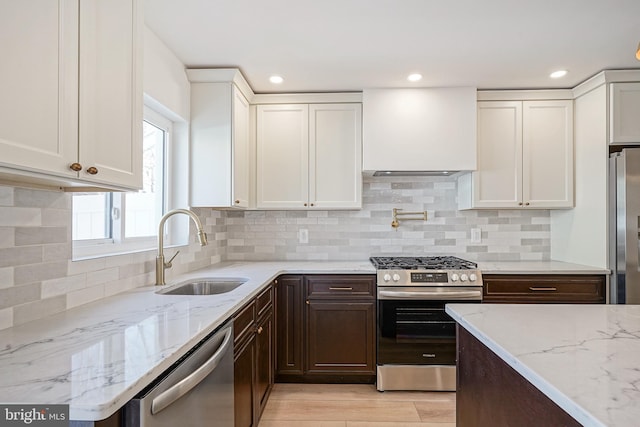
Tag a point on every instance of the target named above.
point(205, 286)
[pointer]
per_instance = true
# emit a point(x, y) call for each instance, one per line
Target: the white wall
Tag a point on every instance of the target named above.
point(166, 86)
point(579, 235)
point(167, 90)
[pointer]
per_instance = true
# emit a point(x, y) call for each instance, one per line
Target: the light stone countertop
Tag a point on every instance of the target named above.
point(537, 267)
point(585, 358)
point(98, 356)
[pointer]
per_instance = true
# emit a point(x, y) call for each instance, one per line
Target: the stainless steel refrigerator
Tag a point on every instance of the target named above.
point(624, 219)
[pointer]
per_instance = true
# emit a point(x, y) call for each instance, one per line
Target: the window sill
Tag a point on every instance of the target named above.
point(86, 252)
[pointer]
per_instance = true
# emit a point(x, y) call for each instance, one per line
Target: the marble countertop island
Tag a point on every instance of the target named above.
point(585, 358)
point(98, 356)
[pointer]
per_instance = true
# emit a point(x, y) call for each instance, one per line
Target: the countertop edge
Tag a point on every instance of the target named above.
point(566, 403)
point(538, 267)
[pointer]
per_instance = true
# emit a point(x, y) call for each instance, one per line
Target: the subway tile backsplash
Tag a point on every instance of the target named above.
point(355, 235)
point(38, 277)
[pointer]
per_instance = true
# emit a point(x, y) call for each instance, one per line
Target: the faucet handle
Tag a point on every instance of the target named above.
point(168, 263)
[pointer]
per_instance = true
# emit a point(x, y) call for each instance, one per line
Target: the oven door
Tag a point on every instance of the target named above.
point(413, 328)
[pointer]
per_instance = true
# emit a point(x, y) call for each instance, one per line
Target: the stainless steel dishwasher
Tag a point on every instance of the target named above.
point(196, 391)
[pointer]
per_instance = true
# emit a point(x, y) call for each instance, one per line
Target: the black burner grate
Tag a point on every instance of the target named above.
point(422, 263)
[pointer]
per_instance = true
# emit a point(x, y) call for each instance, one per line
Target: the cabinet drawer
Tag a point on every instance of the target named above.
point(244, 323)
point(544, 288)
point(264, 301)
point(341, 286)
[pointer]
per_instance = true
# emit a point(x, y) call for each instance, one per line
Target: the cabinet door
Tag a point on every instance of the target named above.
point(624, 125)
point(340, 337)
point(219, 146)
point(240, 163)
point(547, 153)
point(289, 326)
point(211, 144)
point(243, 385)
point(264, 363)
point(39, 85)
point(282, 156)
point(335, 156)
point(110, 98)
point(498, 181)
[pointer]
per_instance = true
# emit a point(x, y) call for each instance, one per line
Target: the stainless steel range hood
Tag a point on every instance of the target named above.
point(414, 173)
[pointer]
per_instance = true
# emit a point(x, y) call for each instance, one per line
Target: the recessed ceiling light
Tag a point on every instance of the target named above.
point(558, 74)
point(414, 77)
point(276, 79)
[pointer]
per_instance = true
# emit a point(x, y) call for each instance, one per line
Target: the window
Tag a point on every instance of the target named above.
point(106, 223)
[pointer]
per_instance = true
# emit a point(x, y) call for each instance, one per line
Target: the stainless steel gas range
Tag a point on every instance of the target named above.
point(416, 339)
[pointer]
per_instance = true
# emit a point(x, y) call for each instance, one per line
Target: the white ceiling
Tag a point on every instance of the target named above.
point(344, 45)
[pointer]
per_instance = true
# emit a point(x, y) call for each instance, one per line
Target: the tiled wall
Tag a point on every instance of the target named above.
point(356, 235)
point(38, 278)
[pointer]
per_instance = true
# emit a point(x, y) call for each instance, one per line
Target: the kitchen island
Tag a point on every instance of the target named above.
point(576, 361)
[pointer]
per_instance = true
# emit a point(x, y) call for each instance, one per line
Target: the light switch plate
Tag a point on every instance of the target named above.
point(303, 235)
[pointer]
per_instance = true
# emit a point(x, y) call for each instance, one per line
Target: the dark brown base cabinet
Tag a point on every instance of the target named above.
point(253, 358)
point(325, 328)
point(491, 393)
point(544, 288)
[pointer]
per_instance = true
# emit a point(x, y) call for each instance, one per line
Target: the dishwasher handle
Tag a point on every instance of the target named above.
point(178, 390)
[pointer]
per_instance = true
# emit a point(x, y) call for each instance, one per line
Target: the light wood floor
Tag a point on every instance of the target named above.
point(347, 405)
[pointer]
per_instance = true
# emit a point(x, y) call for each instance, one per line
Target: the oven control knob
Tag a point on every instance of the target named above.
point(454, 277)
point(473, 277)
point(386, 277)
point(396, 277)
point(463, 277)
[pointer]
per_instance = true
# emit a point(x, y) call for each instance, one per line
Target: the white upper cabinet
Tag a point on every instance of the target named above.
point(219, 146)
point(39, 85)
point(282, 156)
point(624, 122)
point(241, 150)
point(335, 156)
point(309, 156)
point(71, 104)
point(547, 154)
point(525, 156)
point(498, 180)
point(428, 129)
point(110, 130)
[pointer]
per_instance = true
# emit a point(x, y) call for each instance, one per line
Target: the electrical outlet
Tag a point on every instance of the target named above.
point(303, 235)
point(476, 235)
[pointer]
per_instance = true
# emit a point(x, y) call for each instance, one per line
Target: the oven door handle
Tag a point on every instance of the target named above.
point(456, 295)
